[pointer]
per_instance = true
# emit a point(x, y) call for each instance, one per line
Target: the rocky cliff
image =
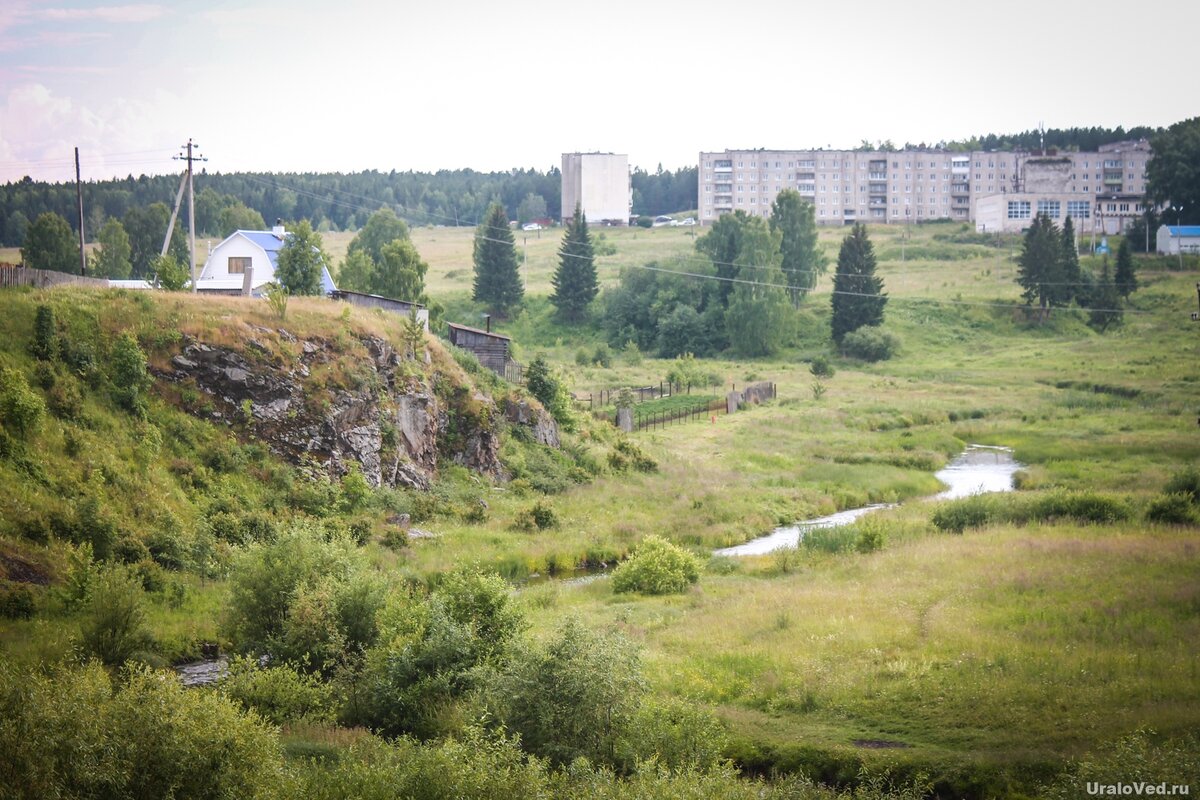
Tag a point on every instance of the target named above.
point(356, 399)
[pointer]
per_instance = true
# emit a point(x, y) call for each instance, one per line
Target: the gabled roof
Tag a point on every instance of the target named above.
point(271, 245)
point(456, 326)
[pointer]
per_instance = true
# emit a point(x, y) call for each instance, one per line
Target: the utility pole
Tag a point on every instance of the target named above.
point(191, 209)
point(79, 202)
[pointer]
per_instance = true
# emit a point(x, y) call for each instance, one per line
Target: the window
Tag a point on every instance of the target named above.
point(238, 265)
point(1051, 208)
point(1018, 209)
point(1079, 209)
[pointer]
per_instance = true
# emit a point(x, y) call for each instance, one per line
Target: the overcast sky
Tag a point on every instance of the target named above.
point(272, 85)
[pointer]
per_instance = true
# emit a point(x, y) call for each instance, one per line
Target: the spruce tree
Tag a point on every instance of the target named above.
point(1106, 304)
point(1066, 286)
point(1038, 266)
point(497, 282)
point(575, 283)
point(858, 297)
point(1126, 278)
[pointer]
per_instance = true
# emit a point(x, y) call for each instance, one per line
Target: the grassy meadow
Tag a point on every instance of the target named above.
point(983, 661)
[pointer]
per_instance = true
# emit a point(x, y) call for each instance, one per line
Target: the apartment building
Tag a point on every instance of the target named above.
point(847, 186)
point(600, 184)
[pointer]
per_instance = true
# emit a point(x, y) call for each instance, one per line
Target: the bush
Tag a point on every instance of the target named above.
point(678, 734)
point(44, 345)
point(870, 344)
point(21, 409)
point(1185, 482)
point(645, 222)
point(656, 567)
point(602, 356)
point(279, 694)
point(540, 516)
point(573, 697)
point(77, 732)
point(114, 623)
point(130, 377)
point(1172, 509)
point(821, 368)
point(16, 601)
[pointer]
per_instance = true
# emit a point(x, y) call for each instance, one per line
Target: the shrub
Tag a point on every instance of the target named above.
point(1187, 482)
point(16, 601)
point(821, 368)
point(678, 734)
point(838, 539)
point(130, 377)
point(969, 512)
point(44, 345)
point(628, 454)
point(645, 222)
point(540, 516)
point(602, 356)
point(582, 358)
point(656, 567)
point(279, 694)
point(870, 343)
point(21, 409)
point(632, 353)
point(1172, 509)
point(573, 697)
point(114, 623)
point(76, 732)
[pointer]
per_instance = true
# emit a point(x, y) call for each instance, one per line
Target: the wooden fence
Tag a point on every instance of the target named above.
point(13, 275)
point(661, 419)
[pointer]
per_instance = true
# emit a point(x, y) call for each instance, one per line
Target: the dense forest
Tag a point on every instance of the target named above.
point(330, 200)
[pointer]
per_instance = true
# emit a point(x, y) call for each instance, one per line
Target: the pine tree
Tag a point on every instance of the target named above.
point(497, 282)
point(793, 218)
point(858, 297)
point(1126, 278)
point(575, 283)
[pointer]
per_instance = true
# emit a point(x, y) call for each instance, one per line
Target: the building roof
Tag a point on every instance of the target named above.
point(476, 330)
point(337, 292)
point(1183, 230)
point(271, 244)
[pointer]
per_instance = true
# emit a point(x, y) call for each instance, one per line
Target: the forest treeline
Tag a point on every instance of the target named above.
point(331, 201)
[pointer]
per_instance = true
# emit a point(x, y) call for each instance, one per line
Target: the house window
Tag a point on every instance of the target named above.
point(1018, 209)
point(1050, 208)
point(238, 265)
point(1079, 209)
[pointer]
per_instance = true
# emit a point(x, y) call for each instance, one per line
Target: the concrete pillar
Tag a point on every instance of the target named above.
point(732, 401)
point(625, 419)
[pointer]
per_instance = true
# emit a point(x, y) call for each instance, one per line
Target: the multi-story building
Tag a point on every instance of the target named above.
point(599, 183)
point(845, 186)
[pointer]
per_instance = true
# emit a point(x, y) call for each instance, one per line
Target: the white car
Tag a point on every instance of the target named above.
point(688, 221)
point(531, 226)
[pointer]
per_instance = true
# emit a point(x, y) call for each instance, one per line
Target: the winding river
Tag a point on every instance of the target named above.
point(979, 469)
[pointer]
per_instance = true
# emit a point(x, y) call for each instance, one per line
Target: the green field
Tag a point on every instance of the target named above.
point(984, 661)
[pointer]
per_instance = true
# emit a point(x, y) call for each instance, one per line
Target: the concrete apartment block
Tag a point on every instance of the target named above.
point(600, 184)
point(846, 186)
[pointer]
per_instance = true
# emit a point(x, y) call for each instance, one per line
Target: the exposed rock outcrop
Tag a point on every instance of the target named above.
point(386, 416)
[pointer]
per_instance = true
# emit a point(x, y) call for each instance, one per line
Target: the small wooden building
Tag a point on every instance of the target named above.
point(490, 348)
point(402, 307)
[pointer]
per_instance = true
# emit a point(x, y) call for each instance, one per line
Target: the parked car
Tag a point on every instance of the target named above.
point(688, 221)
point(664, 221)
point(531, 226)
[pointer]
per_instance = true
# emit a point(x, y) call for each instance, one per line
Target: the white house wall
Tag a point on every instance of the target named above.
point(237, 246)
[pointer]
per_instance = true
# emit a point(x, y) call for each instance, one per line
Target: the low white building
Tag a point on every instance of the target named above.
point(1172, 238)
point(249, 256)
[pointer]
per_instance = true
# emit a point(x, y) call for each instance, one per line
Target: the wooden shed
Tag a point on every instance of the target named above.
point(490, 348)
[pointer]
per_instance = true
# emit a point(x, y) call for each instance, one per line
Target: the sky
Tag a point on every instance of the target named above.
point(301, 86)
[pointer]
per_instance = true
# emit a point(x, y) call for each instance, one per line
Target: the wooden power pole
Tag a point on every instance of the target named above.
point(79, 203)
point(191, 156)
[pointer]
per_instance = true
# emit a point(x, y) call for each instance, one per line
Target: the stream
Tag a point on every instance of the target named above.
point(979, 469)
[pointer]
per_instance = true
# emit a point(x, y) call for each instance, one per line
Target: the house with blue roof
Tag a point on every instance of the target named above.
point(245, 262)
point(1173, 239)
